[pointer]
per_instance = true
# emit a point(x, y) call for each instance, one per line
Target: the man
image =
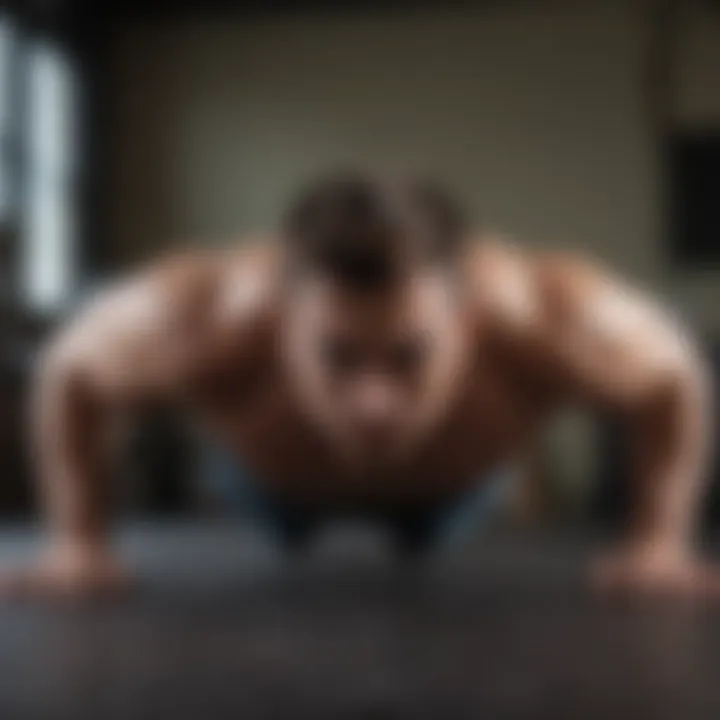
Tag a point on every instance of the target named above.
point(377, 359)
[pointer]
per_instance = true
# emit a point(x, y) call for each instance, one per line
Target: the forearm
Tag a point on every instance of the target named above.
point(70, 432)
point(671, 451)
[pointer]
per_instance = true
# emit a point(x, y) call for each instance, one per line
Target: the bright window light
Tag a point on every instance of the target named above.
point(49, 225)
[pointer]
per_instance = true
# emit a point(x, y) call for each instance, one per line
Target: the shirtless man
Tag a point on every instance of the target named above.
point(373, 355)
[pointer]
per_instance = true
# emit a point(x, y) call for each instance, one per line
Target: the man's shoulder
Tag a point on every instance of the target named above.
point(516, 286)
point(247, 281)
point(226, 285)
point(200, 292)
point(503, 280)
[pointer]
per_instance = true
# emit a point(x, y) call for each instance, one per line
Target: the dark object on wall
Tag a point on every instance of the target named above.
point(693, 191)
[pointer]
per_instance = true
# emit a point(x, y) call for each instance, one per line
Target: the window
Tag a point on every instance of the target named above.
point(49, 224)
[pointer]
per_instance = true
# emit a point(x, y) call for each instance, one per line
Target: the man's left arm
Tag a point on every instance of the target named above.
point(610, 346)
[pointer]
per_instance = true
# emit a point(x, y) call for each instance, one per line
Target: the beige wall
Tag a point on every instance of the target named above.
point(699, 67)
point(534, 112)
point(698, 106)
point(534, 115)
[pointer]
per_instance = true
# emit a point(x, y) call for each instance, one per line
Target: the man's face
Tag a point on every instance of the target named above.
point(376, 369)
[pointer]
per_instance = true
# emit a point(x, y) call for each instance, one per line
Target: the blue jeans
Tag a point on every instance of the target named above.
point(416, 525)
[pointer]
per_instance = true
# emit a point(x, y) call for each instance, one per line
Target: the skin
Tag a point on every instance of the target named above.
point(336, 396)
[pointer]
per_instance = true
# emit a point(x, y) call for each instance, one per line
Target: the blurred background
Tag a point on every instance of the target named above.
point(132, 128)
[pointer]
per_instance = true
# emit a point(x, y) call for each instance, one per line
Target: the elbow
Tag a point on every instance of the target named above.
point(693, 381)
point(57, 367)
point(683, 405)
point(687, 377)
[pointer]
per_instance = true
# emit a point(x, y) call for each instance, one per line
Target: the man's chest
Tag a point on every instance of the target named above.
point(488, 423)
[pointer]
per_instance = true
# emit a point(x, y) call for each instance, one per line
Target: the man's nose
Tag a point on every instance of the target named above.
point(376, 398)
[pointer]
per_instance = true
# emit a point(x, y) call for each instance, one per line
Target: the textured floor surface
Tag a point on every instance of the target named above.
point(217, 629)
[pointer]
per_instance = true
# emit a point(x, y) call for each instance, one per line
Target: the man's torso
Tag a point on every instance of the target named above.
point(496, 409)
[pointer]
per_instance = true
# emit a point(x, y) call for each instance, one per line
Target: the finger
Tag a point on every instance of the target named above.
point(706, 582)
point(88, 586)
point(20, 583)
point(691, 584)
point(55, 584)
point(616, 577)
point(604, 573)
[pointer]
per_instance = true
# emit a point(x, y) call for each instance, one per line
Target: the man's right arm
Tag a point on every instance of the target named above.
point(136, 342)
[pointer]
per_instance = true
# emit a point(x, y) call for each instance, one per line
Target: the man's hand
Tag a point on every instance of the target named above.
point(651, 570)
point(69, 572)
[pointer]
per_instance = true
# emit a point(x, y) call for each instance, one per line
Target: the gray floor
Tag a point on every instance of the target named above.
point(218, 628)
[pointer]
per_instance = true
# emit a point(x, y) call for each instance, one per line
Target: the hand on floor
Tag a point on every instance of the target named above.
point(653, 571)
point(66, 573)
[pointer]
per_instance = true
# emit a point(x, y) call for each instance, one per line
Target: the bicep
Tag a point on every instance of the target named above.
point(135, 340)
point(612, 344)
